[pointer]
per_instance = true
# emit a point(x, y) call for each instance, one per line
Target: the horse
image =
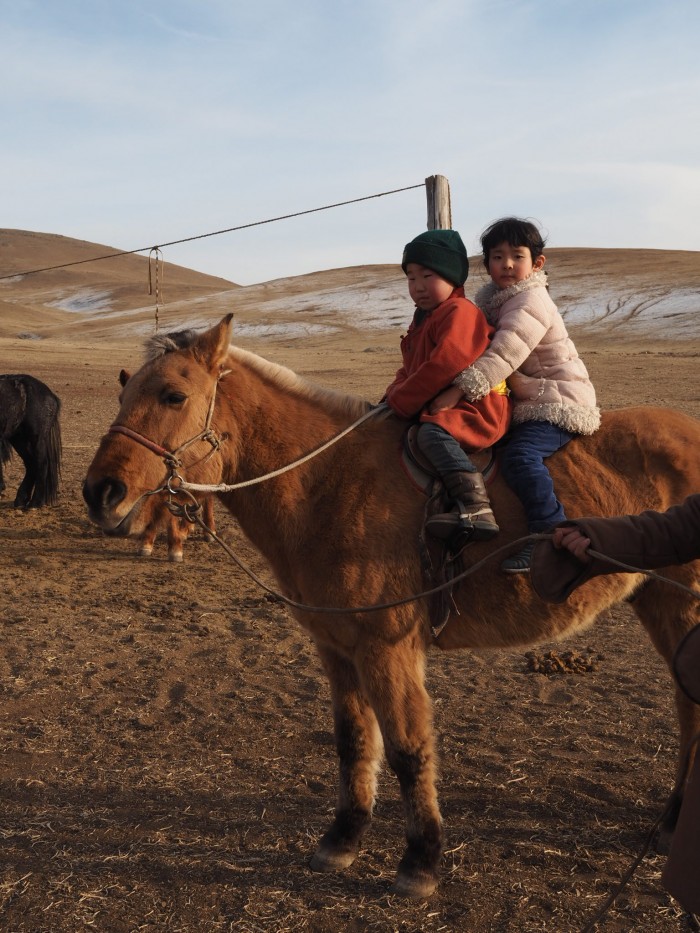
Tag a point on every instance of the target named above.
point(340, 532)
point(177, 528)
point(29, 424)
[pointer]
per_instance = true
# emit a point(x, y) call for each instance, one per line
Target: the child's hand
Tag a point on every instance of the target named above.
point(447, 399)
point(572, 540)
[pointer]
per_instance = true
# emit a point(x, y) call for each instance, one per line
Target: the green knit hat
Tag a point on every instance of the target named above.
point(440, 250)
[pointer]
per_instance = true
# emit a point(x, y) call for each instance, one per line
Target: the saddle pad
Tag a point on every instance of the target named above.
point(420, 471)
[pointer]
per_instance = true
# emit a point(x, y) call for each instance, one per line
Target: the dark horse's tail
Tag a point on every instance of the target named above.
point(54, 451)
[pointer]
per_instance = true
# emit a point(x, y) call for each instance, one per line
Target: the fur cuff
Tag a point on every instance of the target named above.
point(473, 383)
point(575, 419)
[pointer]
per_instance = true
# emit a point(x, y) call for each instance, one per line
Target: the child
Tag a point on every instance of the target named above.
point(447, 334)
point(553, 398)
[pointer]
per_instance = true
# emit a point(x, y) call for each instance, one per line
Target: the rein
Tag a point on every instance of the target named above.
point(191, 513)
point(230, 487)
point(172, 460)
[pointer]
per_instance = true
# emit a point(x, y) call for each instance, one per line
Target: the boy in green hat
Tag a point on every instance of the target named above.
point(447, 330)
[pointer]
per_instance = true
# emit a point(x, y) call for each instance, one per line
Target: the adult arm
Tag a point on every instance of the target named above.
point(646, 541)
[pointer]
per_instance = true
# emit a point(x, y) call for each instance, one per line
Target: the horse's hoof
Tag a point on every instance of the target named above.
point(325, 860)
point(414, 886)
point(145, 552)
point(175, 558)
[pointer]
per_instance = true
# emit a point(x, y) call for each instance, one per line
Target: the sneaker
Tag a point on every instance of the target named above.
point(520, 562)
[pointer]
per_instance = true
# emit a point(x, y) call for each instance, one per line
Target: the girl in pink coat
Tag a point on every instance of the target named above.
point(553, 398)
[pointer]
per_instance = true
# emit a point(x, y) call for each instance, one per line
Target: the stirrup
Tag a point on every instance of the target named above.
point(481, 519)
point(520, 562)
point(475, 525)
point(445, 524)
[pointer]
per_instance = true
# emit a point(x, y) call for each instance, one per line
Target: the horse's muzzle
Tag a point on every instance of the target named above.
point(102, 498)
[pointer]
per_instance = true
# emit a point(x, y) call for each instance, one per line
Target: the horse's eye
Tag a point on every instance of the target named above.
point(174, 398)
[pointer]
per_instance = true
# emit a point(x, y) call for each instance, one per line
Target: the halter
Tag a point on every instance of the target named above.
point(171, 457)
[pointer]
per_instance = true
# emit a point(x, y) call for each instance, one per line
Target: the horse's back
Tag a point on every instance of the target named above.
point(640, 458)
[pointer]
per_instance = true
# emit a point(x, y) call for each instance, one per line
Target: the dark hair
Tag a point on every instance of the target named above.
point(515, 232)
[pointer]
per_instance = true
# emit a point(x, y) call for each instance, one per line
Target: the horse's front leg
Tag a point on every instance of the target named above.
point(359, 748)
point(393, 679)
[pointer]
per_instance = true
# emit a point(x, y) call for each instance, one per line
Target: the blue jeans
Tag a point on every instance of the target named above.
point(442, 450)
point(522, 453)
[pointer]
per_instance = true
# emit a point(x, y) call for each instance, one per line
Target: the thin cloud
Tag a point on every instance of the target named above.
point(150, 121)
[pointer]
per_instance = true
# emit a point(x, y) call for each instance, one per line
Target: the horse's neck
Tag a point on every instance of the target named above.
point(277, 428)
point(272, 433)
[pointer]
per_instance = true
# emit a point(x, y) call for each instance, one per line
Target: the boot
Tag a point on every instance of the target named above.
point(471, 518)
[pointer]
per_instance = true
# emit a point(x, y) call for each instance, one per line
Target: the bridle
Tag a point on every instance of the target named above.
point(172, 458)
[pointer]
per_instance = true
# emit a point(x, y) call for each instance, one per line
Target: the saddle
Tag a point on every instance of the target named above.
point(421, 472)
point(439, 565)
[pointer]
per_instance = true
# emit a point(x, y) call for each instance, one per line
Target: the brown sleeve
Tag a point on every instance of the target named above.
point(646, 541)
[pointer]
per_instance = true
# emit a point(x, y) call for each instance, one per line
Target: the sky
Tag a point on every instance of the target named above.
point(133, 124)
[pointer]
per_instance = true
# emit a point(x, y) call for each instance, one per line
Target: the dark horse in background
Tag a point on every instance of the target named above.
point(29, 423)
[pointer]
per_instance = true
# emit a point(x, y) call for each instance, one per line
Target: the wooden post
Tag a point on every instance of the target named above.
point(439, 208)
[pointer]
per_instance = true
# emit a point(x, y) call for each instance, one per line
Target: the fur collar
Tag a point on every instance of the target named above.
point(491, 297)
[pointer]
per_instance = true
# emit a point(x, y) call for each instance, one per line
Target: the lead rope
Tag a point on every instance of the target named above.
point(624, 881)
point(191, 513)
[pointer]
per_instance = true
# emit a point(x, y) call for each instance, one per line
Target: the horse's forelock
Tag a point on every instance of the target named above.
point(160, 344)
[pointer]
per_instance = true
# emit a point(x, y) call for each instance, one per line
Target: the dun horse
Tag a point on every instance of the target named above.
point(341, 530)
point(177, 529)
point(29, 423)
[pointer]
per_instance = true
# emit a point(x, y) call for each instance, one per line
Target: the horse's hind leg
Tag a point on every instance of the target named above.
point(25, 497)
point(359, 748)
point(668, 614)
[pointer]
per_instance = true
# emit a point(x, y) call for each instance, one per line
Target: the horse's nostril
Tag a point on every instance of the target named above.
point(103, 495)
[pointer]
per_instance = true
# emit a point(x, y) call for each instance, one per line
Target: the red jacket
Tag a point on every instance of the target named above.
point(445, 342)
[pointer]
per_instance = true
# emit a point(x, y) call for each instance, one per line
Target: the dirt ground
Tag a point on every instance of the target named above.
point(167, 761)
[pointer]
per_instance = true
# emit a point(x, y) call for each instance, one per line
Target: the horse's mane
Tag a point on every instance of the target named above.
point(289, 381)
point(160, 344)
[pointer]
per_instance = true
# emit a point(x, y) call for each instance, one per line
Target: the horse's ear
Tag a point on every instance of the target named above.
point(212, 346)
point(124, 377)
